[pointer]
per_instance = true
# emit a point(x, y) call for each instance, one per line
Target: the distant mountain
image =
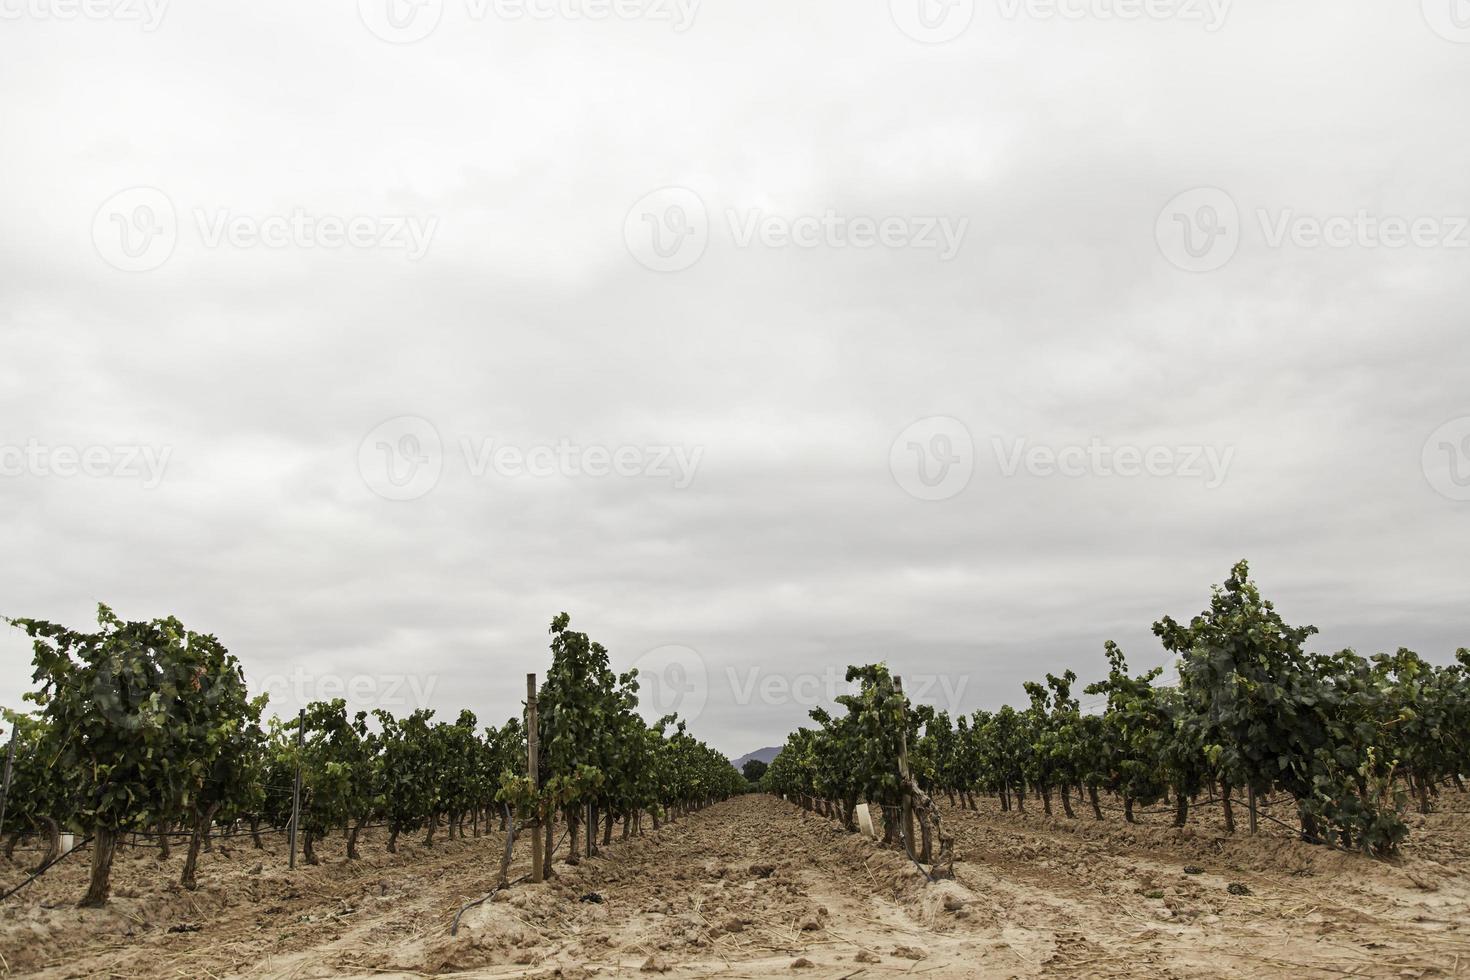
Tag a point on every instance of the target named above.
point(765, 755)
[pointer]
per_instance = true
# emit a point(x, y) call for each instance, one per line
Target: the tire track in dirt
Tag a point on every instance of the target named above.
point(746, 888)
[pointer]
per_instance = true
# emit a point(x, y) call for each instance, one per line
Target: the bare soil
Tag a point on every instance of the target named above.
point(757, 888)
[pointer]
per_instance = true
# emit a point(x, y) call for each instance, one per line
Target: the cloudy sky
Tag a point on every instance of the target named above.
point(763, 337)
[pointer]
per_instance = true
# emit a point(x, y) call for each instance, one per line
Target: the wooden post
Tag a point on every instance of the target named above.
point(1250, 795)
point(5, 787)
point(533, 768)
point(903, 770)
point(296, 790)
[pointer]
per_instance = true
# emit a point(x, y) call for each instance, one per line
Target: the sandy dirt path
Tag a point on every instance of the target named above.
point(757, 888)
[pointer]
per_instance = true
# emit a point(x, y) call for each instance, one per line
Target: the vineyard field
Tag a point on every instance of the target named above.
point(751, 886)
point(1278, 812)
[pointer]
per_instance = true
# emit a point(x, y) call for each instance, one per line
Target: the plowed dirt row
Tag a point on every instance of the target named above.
point(1117, 900)
point(757, 888)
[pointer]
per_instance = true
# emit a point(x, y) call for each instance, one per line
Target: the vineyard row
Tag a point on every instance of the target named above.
point(1352, 741)
point(144, 727)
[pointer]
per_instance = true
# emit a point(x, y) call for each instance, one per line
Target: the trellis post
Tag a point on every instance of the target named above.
point(533, 769)
point(296, 789)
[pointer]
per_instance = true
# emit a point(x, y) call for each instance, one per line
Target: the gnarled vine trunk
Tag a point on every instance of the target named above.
point(202, 820)
point(53, 843)
point(352, 838)
point(104, 844)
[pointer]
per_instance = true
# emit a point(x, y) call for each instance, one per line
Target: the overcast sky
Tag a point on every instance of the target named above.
point(966, 337)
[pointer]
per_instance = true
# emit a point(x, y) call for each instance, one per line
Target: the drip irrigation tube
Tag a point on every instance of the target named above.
point(454, 928)
point(45, 868)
